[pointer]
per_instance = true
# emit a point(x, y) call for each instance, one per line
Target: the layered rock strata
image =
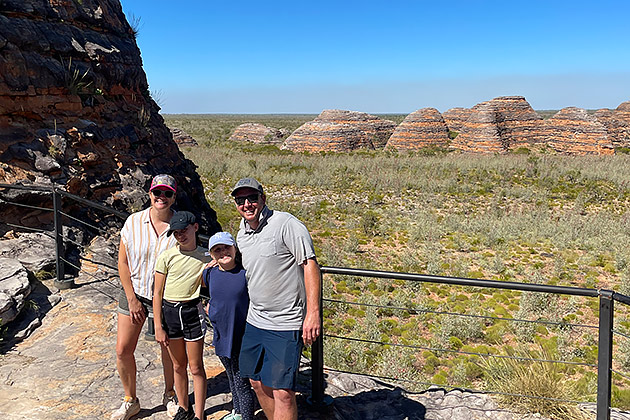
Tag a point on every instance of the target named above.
point(258, 133)
point(182, 138)
point(455, 118)
point(499, 125)
point(573, 131)
point(422, 128)
point(341, 131)
point(617, 123)
point(76, 112)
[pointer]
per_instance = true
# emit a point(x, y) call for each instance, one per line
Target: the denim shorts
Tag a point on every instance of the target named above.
point(272, 357)
point(123, 304)
point(184, 320)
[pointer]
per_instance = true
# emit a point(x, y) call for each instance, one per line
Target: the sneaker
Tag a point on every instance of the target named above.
point(183, 414)
point(127, 409)
point(169, 400)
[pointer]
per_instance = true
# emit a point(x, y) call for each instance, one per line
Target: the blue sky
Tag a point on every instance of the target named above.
point(381, 57)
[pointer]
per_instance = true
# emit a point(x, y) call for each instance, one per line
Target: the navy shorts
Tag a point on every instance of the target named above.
point(184, 320)
point(272, 357)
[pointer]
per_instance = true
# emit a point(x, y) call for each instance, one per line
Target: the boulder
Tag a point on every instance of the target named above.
point(182, 138)
point(258, 133)
point(422, 128)
point(14, 289)
point(34, 251)
point(76, 112)
point(341, 131)
point(573, 131)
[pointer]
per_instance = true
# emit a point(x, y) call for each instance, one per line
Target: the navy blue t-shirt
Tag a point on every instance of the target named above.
point(229, 301)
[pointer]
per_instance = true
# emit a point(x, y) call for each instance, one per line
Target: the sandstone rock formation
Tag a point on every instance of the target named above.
point(182, 138)
point(341, 131)
point(499, 125)
point(574, 131)
point(455, 118)
point(617, 123)
point(258, 133)
point(422, 128)
point(14, 288)
point(76, 112)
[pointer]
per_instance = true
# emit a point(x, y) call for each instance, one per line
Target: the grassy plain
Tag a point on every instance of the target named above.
point(527, 218)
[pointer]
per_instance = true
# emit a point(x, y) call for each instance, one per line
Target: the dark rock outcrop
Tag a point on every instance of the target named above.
point(422, 128)
point(258, 133)
point(182, 138)
point(499, 125)
point(341, 131)
point(75, 108)
point(573, 131)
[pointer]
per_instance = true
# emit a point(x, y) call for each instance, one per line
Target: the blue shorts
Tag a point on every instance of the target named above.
point(272, 357)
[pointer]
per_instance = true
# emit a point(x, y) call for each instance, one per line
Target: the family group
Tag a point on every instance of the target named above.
point(260, 292)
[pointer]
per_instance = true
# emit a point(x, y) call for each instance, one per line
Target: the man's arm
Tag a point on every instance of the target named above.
point(311, 328)
point(136, 311)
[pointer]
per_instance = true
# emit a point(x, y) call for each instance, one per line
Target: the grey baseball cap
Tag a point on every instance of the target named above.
point(247, 183)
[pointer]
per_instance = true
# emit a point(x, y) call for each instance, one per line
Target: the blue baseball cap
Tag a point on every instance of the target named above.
point(220, 238)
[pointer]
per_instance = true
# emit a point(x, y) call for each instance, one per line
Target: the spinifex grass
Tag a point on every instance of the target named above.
point(527, 218)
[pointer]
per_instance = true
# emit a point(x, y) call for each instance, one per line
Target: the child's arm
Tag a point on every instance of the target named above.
point(158, 293)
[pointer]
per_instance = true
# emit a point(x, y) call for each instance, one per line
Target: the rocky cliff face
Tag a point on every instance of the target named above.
point(341, 131)
point(258, 133)
point(574, 131)
point(422, 128)
point(499, 125)
point(75, 107)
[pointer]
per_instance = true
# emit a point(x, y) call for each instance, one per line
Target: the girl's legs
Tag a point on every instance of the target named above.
point(242, 394)
point(177, 350)
point(195, 361)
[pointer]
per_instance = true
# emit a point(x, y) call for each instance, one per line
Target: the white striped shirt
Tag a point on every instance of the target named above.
point(143, 247)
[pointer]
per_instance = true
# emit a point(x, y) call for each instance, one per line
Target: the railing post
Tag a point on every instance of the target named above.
point(604, 359)
point(317, 355)
point(60, 283)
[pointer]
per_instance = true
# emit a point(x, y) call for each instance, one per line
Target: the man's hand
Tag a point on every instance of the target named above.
point(311, 328)
point(136, 311)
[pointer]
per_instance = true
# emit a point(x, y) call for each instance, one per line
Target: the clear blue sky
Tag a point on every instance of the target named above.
point(379, 57)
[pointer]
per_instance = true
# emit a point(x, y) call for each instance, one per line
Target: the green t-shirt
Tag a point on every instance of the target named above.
point(183, 272)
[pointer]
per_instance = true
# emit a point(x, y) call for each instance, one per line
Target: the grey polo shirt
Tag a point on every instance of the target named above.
point(272, 258)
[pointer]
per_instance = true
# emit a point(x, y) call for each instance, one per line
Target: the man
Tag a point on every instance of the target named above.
point(283, 279)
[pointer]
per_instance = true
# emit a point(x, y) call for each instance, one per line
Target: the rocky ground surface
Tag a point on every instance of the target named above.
point(66, 370)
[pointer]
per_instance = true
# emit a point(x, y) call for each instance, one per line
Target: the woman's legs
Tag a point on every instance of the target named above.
point(177, 350)
point(200, 385)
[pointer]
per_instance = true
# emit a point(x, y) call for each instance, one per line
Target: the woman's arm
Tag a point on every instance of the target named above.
point(158, 293)
point(136, 311)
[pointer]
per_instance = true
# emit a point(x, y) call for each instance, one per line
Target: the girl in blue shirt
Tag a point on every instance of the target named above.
point(227, 311)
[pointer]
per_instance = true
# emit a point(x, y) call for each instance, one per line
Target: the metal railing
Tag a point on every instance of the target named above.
point(606, 298)
point(605, 327)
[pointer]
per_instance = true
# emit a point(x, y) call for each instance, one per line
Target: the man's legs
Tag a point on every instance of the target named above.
point(126, 342)
point(278, 404)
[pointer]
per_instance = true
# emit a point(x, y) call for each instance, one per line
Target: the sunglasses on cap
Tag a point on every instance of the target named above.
point(167, 193)
point(252, 198)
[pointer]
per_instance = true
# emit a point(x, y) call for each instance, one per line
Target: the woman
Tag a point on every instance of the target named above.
point(142, 239)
